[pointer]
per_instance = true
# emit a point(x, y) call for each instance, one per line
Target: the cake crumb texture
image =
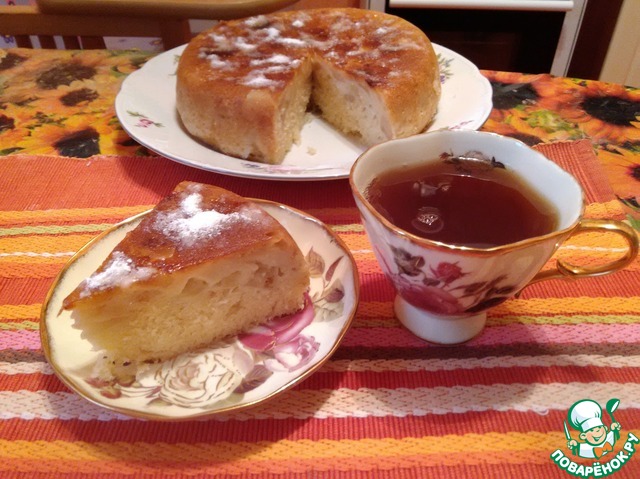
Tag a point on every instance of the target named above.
point(244, 85)
point(204, 265)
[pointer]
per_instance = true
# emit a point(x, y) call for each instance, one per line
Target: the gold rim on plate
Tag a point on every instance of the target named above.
point(313, 237)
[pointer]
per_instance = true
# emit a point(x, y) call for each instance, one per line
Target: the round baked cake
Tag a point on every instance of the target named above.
point(244, 86)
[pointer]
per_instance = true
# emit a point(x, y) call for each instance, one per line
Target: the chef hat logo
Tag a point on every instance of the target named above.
point(585, 415)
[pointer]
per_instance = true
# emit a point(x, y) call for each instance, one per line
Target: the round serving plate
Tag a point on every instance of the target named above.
point(238, 373)
point(146, 108)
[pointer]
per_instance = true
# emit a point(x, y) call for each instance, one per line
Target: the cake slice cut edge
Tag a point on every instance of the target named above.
point(204, 265)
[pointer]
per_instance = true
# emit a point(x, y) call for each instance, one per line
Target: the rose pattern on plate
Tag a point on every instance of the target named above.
point(444, 64)
point(279, 346)
point(144, 121)
point(438, 288)
point(328, 298)
point(205, 378)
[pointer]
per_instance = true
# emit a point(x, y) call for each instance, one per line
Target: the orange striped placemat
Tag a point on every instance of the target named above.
point(385, 405)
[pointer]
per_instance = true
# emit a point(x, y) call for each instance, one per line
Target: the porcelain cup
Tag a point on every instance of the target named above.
point(444, 291)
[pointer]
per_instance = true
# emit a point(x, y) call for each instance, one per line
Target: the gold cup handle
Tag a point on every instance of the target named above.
point(564, 270)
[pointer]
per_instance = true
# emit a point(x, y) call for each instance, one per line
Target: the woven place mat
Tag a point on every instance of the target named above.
point(385, 405)
point(40, 182)
point(579, 158)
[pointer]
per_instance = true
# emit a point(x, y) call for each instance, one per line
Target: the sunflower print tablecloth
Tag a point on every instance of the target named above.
point(62, 103)
point(544, 109)
point(386, 404)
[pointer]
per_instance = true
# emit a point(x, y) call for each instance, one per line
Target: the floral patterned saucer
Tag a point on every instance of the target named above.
point(145, 106)
point(242, 371)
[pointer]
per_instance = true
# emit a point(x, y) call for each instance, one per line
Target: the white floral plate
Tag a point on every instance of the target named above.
point(233, 375)
point(145, 106)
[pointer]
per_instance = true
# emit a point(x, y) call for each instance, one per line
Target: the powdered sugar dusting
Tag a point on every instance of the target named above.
point(191, 204)
point(187, 224)
point(257, 21)
point(261, 51)
point(120, 271)
point(216, 62)
point(293, 42)
point(259, 80)
point(190, 222)
point(278, 58)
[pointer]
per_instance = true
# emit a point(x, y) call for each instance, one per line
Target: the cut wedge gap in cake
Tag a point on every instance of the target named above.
point(243, 85)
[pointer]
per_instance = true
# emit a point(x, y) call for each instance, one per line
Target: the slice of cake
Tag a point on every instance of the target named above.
point(203, 265)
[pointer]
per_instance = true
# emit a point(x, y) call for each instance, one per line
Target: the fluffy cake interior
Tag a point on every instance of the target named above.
point(289, 109)
point(242, 85)
point(205, 264)
point(161, 319)
point(349, 105)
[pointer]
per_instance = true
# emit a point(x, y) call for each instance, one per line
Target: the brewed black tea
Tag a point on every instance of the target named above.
point(464, 201)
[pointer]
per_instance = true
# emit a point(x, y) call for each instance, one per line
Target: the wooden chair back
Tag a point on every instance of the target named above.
point(85, 31)
point(85, 23)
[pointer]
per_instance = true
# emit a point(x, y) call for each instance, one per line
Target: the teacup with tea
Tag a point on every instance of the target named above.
point(460, 221)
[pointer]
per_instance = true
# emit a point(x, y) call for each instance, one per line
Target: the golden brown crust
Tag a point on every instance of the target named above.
point(196, 223)
point(232, 80)
point(201, 267)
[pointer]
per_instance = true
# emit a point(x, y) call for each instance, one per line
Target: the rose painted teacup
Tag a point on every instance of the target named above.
point(444, 290)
